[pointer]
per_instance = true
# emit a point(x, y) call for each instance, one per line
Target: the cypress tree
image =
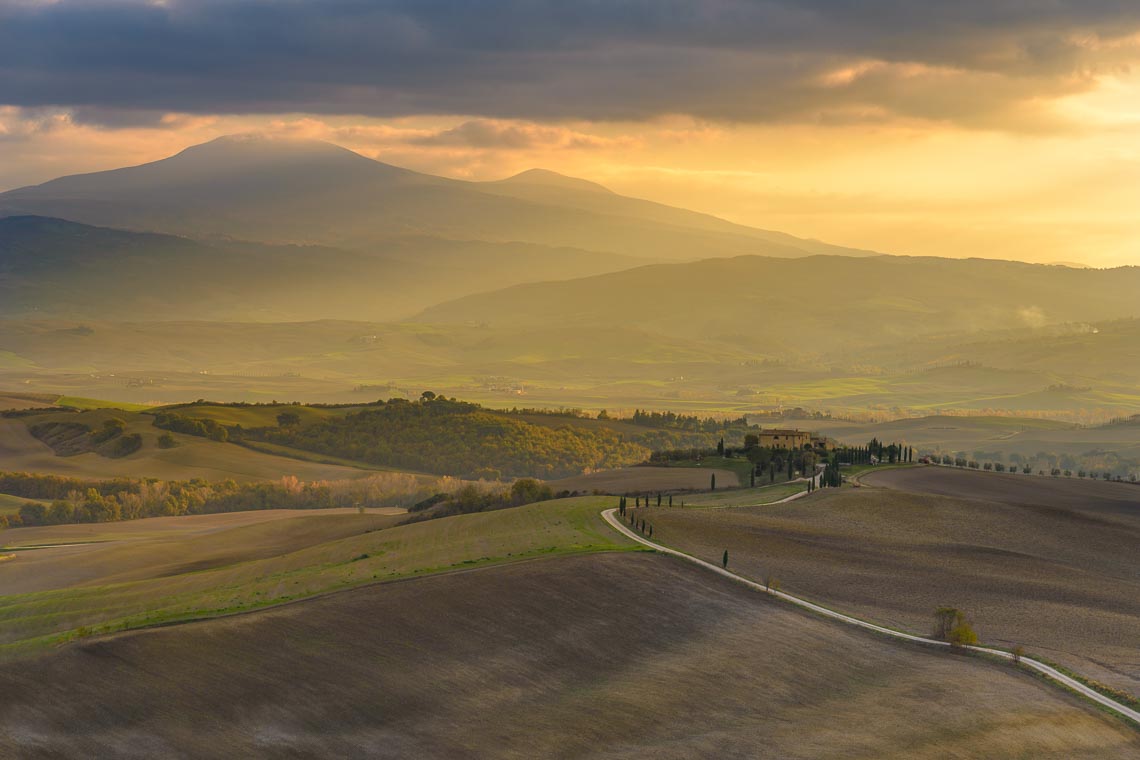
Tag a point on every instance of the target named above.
point(712, 482)
point(724, 560)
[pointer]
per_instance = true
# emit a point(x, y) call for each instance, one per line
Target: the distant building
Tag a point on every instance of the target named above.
point(786, 438)
point(781, 438)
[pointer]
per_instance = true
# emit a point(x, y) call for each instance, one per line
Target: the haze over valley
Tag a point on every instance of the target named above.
point(529, 285)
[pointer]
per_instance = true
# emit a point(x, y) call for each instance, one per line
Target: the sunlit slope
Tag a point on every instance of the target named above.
point(313, 192)
point(585, 656)
point(314, 562)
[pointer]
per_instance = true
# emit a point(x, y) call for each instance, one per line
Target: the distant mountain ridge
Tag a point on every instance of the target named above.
point(311, 192)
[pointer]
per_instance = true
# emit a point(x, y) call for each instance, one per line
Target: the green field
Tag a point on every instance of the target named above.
point(10, 505)
point(78, 402)
point(744, 497)
point(32, 620)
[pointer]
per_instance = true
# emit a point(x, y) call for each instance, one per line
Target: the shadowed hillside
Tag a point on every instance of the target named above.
point(60, 268)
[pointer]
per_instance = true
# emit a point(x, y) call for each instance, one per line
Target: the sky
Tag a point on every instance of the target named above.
point(1001, 129)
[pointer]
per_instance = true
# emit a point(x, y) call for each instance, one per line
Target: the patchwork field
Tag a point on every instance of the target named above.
point(579, 656)
point(1047, 564)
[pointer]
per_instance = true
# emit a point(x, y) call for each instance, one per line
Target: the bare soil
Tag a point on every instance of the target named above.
point(611, 656)
point(1033, 561)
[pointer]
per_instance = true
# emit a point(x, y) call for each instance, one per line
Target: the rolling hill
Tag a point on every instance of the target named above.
point(575, 657)
point(308, 192)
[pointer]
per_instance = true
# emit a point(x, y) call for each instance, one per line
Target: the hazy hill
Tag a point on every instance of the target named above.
point(51, 267)
point(1104, 349)
point(819, 302)
point(313, 192)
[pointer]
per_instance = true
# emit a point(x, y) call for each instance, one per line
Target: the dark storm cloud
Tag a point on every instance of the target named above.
point(603, 59)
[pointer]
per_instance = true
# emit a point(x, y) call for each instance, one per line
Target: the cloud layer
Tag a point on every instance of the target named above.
point(985, 63)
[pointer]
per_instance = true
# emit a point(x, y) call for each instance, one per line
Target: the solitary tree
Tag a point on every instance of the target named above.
point(712, 482)
point(951, 625)
point(963, 635)
point(724, 560)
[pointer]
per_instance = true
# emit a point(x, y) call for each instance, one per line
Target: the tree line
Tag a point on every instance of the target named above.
point(75, 500)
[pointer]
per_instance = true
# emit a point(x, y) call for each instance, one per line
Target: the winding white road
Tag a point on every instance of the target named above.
point(1052, 673)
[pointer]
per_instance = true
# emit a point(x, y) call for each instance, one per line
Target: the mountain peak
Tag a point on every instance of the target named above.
point(257, 148)
point(548, 178)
